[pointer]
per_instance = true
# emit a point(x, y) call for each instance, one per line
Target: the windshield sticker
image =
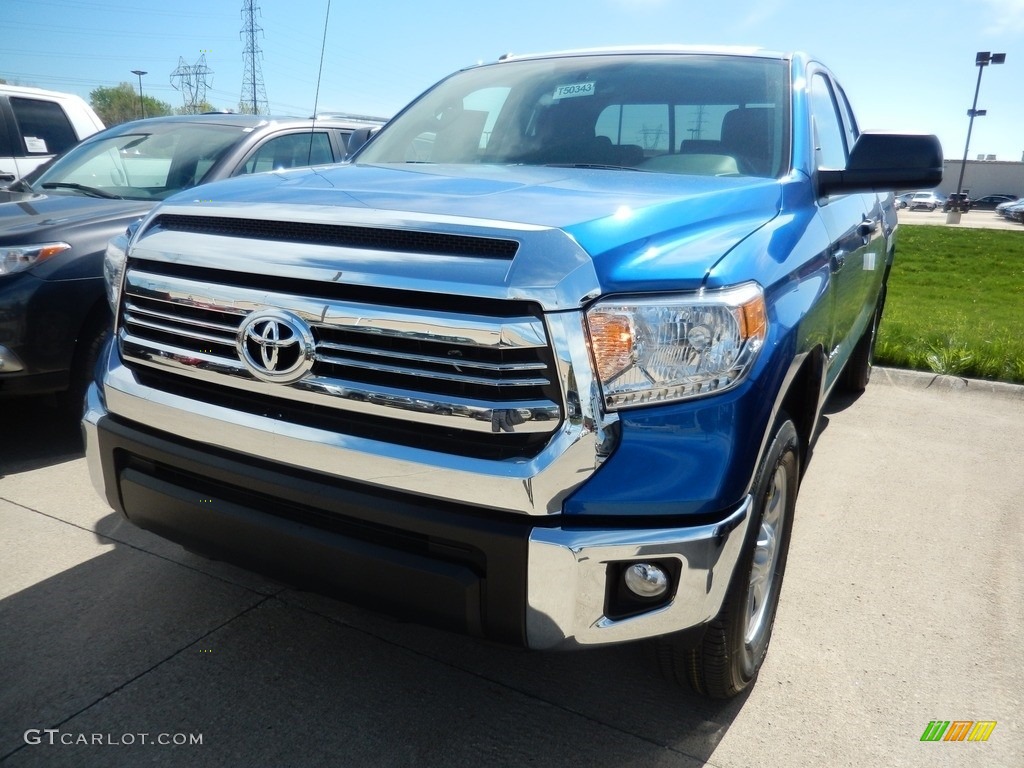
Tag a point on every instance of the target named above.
point(35, 145)
point(573, 90)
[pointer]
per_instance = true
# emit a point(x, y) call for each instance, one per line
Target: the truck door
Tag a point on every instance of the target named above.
point(851, 229)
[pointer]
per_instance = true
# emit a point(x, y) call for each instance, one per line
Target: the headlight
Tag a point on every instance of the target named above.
point(668, 348)
point(113, 263)
point(113, 268)
point(18, 258)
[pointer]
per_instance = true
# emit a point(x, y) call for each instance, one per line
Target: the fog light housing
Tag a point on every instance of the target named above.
point(646, 580)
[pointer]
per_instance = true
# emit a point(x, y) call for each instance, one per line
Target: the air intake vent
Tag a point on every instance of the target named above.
point(401, 240)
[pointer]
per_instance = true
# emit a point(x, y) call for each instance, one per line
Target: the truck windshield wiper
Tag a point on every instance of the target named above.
point(599, 166)
point(91, 191)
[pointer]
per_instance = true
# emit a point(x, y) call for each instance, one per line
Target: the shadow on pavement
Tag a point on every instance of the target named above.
point(125, 642)
point(36, 433)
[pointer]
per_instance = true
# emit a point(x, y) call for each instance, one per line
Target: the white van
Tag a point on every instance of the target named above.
point(35, 125)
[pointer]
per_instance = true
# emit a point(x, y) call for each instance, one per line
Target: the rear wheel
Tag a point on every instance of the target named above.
point(730, 654)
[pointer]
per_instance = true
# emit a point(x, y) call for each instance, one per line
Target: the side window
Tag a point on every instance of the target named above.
point(6, 145)
point(849, 123)
point(43, 125)
point(292, 150)
point(829, 134)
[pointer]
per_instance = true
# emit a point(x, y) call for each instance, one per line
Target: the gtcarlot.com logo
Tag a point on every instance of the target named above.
point(56, 737)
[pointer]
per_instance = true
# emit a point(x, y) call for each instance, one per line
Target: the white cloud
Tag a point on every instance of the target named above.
point(762, 12)
point(1006, 17)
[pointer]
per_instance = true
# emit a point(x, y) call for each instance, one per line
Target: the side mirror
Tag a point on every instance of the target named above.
point(356, 139)
point(887, 161)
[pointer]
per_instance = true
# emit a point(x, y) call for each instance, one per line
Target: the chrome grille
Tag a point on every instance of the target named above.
point(439, 374)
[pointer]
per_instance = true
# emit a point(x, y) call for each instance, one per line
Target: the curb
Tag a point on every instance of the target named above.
point(922, 380)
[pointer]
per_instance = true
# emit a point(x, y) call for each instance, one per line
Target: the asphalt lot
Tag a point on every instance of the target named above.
point(902, 605)
point(969, 220)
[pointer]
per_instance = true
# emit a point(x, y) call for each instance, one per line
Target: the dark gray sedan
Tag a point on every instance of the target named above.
point(53, 312)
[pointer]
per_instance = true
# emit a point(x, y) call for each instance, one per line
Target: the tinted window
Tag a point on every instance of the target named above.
point(292, 150)
point(830, 142)
point(44, 127)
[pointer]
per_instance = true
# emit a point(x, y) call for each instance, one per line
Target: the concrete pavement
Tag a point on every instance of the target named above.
point(902, 605)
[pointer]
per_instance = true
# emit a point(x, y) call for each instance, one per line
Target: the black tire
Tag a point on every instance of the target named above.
point(94, 335)
point(857, 373)
point(729, 655)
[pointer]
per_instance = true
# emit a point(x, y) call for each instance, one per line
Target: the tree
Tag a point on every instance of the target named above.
point(121, 104)
point(198, 109)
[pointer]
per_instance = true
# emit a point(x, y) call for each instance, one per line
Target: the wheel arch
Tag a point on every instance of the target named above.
point(802, 399)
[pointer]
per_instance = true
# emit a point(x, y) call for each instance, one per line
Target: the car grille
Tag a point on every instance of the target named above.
point(392, 365)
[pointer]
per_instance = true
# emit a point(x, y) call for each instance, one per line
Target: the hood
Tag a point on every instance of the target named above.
point(84, 223)
point(641, 230)
point(44, 216)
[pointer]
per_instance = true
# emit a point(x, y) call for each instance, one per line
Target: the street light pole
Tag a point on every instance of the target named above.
point(142, 106)
point(982, 59)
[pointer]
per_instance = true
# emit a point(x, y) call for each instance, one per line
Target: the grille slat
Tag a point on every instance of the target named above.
point(489, 378)
point(135, 321)
point(325, 350)
point(169, 316)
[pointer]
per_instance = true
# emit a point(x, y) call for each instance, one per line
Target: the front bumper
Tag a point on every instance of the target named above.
point(512, 578)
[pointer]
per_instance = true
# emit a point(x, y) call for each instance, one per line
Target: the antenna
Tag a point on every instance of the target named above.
point(320, 72)
point(254, 95)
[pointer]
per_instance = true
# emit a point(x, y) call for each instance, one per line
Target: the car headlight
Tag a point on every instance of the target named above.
point(113, 268)
point(668, 348)
point(114, 260)
point(18, 258)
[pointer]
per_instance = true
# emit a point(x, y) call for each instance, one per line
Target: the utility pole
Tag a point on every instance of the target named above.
point(254, 95)
point(142, 105)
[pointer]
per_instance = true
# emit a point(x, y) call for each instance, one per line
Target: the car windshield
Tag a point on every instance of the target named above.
point(150, 164)
point(670, 113)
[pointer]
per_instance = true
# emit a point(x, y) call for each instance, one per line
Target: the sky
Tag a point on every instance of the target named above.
point(905, 66)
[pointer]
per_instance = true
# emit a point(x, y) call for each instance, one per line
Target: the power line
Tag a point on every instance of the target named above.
point(192, 83)
point(254, 94)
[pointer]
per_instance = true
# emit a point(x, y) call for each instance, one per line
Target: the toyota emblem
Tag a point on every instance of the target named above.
point(275, 345)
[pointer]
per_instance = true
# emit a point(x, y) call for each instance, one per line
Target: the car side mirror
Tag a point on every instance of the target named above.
point(887, 161)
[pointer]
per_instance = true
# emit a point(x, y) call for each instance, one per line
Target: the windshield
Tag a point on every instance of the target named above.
point(150, 164)
point(669, 113)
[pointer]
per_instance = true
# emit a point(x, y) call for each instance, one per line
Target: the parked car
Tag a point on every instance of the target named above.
point(36, 125)
point(1001, 207)
point(925, 201)
point(53, 313)
point(902, 201)
point(1015, 211)
point(526, 367)
point(990, 202)
point(957, 201)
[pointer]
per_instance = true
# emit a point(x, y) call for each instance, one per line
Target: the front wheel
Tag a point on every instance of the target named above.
point(734, 645)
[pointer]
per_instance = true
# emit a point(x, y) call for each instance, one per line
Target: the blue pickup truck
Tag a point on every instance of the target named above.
point(542, 364)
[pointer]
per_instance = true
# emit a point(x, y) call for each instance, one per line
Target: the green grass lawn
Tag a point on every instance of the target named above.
point(956, 303)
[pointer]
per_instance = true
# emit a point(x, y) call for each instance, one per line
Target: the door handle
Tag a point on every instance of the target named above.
point(867, 228)
point(838, 260)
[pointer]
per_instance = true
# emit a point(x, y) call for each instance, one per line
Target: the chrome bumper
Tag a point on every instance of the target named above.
point(568, 575)
point(567, 571)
